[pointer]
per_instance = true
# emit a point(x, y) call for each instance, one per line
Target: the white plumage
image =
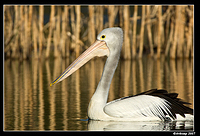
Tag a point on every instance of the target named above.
point(138, 106)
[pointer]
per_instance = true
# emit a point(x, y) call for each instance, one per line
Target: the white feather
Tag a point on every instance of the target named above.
point(138, 106)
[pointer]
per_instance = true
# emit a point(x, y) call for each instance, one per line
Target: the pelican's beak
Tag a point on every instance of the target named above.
point(99, 48)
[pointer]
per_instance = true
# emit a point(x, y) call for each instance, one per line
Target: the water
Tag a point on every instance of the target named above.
point(31, 104)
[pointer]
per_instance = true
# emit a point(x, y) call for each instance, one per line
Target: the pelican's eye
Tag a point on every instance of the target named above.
point(103, 37)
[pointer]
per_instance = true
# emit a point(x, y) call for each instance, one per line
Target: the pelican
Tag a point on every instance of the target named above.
point(146, 106)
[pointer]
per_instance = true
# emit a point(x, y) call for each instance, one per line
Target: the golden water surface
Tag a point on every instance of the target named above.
point(31, 104)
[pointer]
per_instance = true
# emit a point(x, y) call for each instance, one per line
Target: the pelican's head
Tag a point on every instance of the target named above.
point(109, 41)
point(113, 37)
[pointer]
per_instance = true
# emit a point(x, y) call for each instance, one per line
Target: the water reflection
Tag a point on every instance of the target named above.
point(139, 126)
point(31, 104)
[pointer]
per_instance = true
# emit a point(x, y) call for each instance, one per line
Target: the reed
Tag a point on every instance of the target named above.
point(15, 49)
point(181, 32)
point(51, 24)
point(25, 45)
point(78, 29)
point(120, 16)
point(174, 44)
point(22, 38)
point(111, 15)
point(149, 30)
point(57, 31)
point(134, 31)
point(99, 18)
point(63, 34)
point(126, 50)
point(142, 33)
point(169, 41)
point(72, 27)
point(159, 30)
point(91, 27)
point(35, 36)
point(169, 29)
point(41, 25)
point(67, 48)
point(189, 46)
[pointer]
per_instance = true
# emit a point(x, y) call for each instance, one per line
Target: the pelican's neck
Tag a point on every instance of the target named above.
point(100, 96)
point(107, 75)
point(99, 99)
